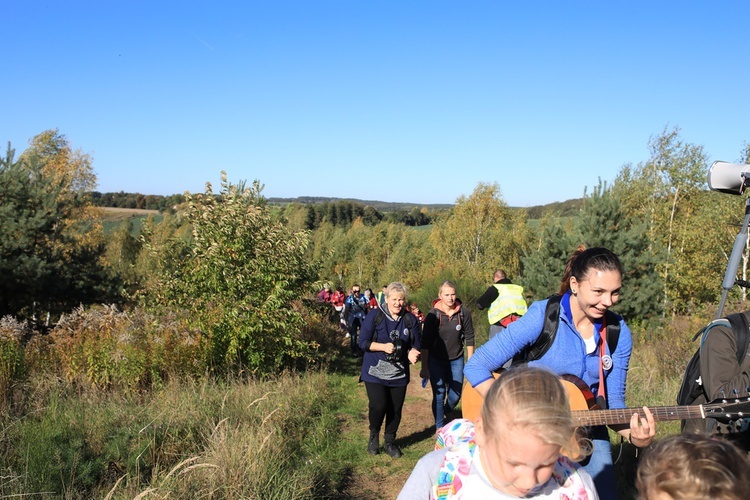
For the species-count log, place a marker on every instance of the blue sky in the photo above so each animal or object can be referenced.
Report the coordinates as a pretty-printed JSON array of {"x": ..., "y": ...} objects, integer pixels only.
[{"x": 414, "y": 101}]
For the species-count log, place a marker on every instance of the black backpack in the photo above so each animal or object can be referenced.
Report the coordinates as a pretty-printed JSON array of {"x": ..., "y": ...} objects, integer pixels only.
[
  {"x": 549, "y": 330},
  {"x": 692, "y": 384}
]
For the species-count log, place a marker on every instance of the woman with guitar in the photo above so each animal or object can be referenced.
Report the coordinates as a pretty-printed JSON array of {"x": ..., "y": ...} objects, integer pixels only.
[{"x": 578, "y": 346}]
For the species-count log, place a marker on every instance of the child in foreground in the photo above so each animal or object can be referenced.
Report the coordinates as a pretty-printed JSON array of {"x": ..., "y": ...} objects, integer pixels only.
[
  {"x": 516, "y": 449},
  {"x": 694, "y": 467}
]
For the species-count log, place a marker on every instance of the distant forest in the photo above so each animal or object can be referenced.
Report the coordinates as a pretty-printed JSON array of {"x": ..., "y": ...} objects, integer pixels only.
[{"x": 339, "y": 211}]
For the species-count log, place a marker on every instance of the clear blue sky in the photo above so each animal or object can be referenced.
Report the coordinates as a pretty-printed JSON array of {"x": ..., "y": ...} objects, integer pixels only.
[{"x": 413, "y": 101}]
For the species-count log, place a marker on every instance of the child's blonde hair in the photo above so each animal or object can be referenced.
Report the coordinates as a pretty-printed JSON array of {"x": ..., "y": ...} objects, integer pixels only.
[
  {"x": 532, "y": 399},
  {"x": 694, "y": 466}
]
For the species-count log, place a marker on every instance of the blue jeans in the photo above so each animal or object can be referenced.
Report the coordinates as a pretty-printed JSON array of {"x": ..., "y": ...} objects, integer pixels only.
[
  {"x": 447, "y": 380},
  {"x": 599, "y": 464}
]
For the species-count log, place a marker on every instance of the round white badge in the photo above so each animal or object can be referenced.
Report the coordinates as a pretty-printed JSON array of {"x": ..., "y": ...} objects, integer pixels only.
[
  {"x": 406, "y": 331},
  {"x": 606, "y": 362},
  {"x": 458, "y": 328}
]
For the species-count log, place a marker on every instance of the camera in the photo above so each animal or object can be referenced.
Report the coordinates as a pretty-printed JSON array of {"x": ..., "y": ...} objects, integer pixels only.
[
  {"x": 731, "y": 178},
  {"x": 398, "y": 345}
]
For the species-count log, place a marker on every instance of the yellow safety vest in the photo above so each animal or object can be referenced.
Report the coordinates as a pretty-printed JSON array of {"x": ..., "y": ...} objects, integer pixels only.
[{"x": 509, "y": 301}]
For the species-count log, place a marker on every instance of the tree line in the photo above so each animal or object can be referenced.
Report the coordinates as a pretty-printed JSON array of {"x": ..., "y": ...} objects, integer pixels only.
[{"x": 136, "y": 200}]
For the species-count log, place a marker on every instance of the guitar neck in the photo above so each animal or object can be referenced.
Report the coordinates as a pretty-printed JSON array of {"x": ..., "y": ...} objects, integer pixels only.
[{"x": 623, "y": 415}]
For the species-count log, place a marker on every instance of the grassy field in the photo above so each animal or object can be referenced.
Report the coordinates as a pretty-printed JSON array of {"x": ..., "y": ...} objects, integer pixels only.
[{"x": 114, "y": 217}]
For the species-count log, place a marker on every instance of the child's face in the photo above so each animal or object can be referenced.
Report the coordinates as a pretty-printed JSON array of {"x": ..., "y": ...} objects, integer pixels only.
[
  {"x": 656, "y": 494},
  {"x": 517, "y": 462}
]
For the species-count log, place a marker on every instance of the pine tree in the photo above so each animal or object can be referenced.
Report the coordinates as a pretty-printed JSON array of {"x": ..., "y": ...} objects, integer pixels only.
[{"x": 603, "y": 223}]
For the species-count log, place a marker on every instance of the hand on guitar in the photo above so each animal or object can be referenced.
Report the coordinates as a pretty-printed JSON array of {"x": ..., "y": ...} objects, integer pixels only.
[{"x": 642, "y": 430}]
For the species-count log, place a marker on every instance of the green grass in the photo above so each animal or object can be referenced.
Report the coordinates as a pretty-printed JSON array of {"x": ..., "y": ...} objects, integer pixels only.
[{"x": 235, "y": 439}]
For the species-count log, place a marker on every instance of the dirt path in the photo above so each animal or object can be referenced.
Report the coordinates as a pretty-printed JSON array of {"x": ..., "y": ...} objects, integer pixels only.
[{"x": 382, "y": 477}]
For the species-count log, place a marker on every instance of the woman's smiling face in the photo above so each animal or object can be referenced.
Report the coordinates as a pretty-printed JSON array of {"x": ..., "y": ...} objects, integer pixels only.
[
  {"x": 395, "y": 303},
  {"x": 596, "y": 293}
]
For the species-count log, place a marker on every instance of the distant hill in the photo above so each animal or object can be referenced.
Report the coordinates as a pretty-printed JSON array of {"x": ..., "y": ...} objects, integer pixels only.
[
  {"x": 559, "y": 208},
  {"x": 380, "y": 206},
  {"x": 161, "y": 203}
]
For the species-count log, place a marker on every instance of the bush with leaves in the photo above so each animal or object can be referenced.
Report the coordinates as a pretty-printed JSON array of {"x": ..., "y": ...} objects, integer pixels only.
[
  {"x": 104, "y": 348},
  {"x": 243, "y": 271}
]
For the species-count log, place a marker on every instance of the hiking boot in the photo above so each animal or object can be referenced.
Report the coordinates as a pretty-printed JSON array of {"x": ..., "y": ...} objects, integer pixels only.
[
  {"x": 374, "y": 444},
  {"x": 392, "y": 450}
]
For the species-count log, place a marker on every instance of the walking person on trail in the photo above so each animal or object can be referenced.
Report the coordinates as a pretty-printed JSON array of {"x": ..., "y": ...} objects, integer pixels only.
[
  {"x": 504, "y": 302},
  {"x": 356, "y": 309},
  {"x": 390, "y": 342},
  {"x": 448, "y": 331},
  {"x": 583, "y": 344}
]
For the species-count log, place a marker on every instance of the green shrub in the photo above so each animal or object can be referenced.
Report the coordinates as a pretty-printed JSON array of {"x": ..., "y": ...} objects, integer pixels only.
[{"x": 243, "y": 271}]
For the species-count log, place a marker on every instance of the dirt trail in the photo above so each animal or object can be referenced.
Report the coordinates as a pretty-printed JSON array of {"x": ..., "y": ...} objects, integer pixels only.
[{"x": 382, "y": 477}]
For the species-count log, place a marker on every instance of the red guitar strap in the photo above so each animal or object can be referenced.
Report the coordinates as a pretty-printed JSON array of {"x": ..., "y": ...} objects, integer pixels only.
[{"x": 602, "y": 392}]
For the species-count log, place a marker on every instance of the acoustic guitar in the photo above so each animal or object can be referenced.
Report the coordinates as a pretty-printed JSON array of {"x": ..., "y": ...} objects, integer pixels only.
[{"x": 586, "y": 412}]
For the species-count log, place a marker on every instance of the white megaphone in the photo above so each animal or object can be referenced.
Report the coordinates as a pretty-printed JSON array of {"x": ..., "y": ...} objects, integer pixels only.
[{"x": 730, "y": 178}]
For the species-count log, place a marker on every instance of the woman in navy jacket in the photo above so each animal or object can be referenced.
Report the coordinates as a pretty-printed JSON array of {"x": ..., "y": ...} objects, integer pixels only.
[
  {"x": 591, "y": 285},
  {"x": 390, "y": 339}
]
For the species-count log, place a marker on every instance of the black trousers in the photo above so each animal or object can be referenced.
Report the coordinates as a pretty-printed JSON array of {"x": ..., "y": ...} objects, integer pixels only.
[
  {"x": 385, "y": 403},
  {"x": 353, "y": 329}
]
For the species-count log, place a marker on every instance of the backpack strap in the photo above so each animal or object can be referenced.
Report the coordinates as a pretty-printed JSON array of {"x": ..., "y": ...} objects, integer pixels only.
[
  {"x": 613, "y": 330},
  {"x": 378, "y": 319},
  {"x": 547, "y": 336}
]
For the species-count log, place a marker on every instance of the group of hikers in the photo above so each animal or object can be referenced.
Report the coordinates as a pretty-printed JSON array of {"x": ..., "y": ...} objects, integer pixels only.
[{"x": 524, "y": 440}]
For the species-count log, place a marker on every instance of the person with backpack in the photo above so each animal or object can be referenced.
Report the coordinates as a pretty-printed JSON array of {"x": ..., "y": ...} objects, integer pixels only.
[
  {"x": 581, "y": 343},
  {"x": 448, "y": 331},
  {"x": 519, "y": 447},
  {"x": 720, "y": 369},
  {"x": 390, "y": 342},
  {"x": 504, "y": 302},
  {"x": 355, "y": 310},
  {"x": 337, "y": 300}
]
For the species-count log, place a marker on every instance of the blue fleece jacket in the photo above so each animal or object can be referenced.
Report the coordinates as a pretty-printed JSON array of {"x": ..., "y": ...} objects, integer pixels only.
[{"x": 567, "y": 355}]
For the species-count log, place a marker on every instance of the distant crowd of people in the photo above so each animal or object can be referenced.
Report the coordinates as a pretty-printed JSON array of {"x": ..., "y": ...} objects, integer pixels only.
[{"x": 524, "y": 440}]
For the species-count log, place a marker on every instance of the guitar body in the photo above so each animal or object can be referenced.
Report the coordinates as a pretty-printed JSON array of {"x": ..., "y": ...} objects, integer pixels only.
[{"x": 471, "y": 402}]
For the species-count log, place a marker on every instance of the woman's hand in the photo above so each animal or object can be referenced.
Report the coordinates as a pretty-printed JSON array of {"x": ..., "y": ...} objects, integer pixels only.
[
  {"x": 413, "y": 356},
  {"x": 387, "y": 348},
  {"x": 642, "y": 430}
]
